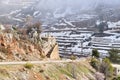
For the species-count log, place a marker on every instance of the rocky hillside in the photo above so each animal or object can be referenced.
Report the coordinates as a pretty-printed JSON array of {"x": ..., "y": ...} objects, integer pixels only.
[
  {"x": 54, "y": 71},
  {"x": 19, "y": 47}
]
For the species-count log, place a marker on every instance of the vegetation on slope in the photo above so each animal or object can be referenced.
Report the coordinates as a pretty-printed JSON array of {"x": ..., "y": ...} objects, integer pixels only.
[{"x": 54, "y": 71}]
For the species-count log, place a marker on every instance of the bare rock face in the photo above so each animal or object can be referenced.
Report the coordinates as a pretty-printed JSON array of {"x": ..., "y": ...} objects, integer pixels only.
[
  {"x": 12, "y": 48},
  {"x": 55, "y": 53}
]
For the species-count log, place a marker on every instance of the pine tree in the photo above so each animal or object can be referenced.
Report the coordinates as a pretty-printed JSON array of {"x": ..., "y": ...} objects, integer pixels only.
[{"x": 95, "y": 53}]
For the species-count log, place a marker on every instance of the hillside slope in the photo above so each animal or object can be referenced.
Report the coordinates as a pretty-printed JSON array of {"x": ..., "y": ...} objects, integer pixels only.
[
  {"x": 17, "y": 47},
  {"x": 54, "y": 71}
]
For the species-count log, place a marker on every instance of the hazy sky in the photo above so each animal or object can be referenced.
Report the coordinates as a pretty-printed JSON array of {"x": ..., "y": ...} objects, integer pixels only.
[
  {"x": 70, "y": 2},
  {"x": 57, "y": 3},
  {"x": 75, "y": 3}
]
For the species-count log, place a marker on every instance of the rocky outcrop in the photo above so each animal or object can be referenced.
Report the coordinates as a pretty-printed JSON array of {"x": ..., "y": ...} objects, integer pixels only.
[
  {"x": 13, "y": 47},
  {"x": 55, "y": 53}
]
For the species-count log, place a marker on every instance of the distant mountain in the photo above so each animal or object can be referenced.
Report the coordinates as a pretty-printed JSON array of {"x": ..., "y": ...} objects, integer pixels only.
[
  {"x": 51, "y": 16},
  {"x": 64, "y": 14}
]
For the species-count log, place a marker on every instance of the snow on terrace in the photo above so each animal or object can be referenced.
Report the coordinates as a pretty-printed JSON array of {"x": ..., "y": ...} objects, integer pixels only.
[
  {"x": 78, "y": 50},
  {"x": 16, "y": 11},
  {"x": 61, "y": 24},
  {"x": 69, "y": 23},
  {"x": 114, "y": 24},
  {"x": 35, "y": 13},
  {"x": 65, "y": 23},
  {"x": 72, "y": 40},
  {"x": 103, "y": 44},
  {"x": 60, "y": 34},
  {"x": 106, "y": 43}
]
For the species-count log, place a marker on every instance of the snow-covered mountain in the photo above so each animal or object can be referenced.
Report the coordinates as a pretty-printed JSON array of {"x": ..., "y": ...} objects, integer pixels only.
[
  {"x": 51, "y": 14},
  {"x": 59, "y": 13}
]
